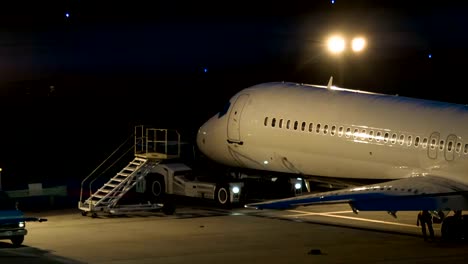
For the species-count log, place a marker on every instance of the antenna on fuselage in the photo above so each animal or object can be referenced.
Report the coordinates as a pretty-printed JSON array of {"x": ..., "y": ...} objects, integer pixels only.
[{"x": 330, "y": 82}]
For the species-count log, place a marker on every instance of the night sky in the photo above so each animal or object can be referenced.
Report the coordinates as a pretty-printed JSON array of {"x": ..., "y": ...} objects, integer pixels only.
[{"x": 76, "y": 76}]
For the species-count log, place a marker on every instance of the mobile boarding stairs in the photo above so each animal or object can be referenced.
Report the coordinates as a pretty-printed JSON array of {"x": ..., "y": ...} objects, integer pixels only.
[{"x": 150, "y": 147}]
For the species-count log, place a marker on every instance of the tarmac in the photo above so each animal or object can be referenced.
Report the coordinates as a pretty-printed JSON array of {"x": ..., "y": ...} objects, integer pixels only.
[{"x": 206, "y": 234}]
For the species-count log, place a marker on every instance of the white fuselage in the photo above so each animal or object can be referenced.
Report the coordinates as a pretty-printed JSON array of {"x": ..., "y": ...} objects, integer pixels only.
[{"x": 313, "y": 130}]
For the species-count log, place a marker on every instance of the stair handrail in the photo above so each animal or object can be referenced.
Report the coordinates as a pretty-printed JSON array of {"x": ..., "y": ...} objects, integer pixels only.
[
  {"x": 127, "y": 183},
  {"x": 110, "y": 166},
  {"x": 100, "y": 165}
]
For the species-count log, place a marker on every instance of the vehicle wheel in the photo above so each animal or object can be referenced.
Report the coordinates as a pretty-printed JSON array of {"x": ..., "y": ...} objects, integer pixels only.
[
  {"x": 168, "y": 207},
  {"x": 155, "y": 188},
  {"x": 222, "y": 196},
  {"x": 17, "y": 240}
]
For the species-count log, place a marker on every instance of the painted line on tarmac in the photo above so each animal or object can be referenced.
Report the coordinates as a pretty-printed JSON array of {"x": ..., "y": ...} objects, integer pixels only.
[{"x": 335, "y": 215}]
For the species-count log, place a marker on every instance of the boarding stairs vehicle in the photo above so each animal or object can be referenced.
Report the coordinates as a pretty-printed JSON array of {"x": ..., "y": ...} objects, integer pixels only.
[{"x": 150, "y": 148}]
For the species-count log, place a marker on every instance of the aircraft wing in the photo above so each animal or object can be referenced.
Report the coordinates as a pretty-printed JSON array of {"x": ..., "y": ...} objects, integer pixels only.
[{"x": 407, "y": 194}]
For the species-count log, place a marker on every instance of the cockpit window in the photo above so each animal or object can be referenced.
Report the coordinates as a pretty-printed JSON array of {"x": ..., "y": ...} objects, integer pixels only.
[{"x": 225, "y": 110}]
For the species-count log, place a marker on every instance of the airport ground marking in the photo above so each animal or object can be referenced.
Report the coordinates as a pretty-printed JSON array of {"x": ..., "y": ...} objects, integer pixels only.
[
  {"x": 333, "y": 214},
  {"x": 303, "y": 213}
]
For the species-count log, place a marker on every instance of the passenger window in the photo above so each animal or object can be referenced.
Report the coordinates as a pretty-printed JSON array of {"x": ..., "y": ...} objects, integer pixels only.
[
  {"x": 348, "y": 132},
  {"x": 356, "y": 132},
  {"x": 266, "y": 121},
  {"x": 441, "y": 145},
  {"x": 317, "y": 128},
  {"x": 410, "y": 140},
  {"x": 303, "y": 126},
  {"x": 401, "y": 140},
  {"x": 378, "y": 136},
  {"x": 371, "y": 135},
  {"x": 273, "y": 122},
  {"x": 465, "y": 150},
  {"x": 281, "y": 123},
  {"x": 333, "y": 130},
  {"x": 363, "y": 134},
  {"x": 325, "y": 129},
  {"x": 433, "y": 143},
  {"x": 458, "y": 147},
  {"x": 288, "y": 124},
  {"x": 386, "y": 136},
  {"x": 311, "y": 125},
  {"x": 393, "y": 140},
  {"x": 449, "y": 146},
  {"x": 416, "y": 141},
  {"x": 340, "y": 131},
  {"x": 295, "y": 125},
  {"x": 424, "y": 144}
]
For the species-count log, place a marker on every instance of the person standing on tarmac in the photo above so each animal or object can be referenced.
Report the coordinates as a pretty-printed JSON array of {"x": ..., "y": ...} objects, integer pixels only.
[{"x": 425, "y": 218}]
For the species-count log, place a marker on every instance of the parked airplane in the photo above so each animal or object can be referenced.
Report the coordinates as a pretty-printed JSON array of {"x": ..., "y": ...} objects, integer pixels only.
[{"x": 415, "y": 150}]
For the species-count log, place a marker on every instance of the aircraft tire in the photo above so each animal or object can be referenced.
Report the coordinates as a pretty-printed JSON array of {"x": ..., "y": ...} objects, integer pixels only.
[
  {"x": 222, "y": 195},
  {"x": 155, "y": 188}
]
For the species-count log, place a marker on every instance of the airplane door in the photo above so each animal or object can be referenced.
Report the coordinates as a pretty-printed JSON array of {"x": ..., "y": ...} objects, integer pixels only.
[
  {"x": 433, "y": 144},
  {"x": 233, "y": 126}
]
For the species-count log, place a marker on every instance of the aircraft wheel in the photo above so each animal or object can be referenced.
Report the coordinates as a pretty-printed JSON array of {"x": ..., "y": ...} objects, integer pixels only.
[
  {"x": 17, "y": 240},
  {"x": 155, "y": 188},
  {"x": 222, "y": 195},
  {"x": 84, "y": 213}
]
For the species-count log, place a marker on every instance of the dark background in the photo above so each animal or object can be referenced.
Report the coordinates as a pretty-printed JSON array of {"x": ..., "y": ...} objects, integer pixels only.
[{"x": 173, "y": 64}]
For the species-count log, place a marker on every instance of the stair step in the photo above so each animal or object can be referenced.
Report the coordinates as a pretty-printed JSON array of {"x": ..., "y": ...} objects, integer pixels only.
[
  {"x": 117, "y": 186},
  {"x": 140, "y": 159}
]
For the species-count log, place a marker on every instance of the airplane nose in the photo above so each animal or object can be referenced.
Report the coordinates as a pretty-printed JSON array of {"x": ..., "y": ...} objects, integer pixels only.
[{"x": 211, "y": 139}]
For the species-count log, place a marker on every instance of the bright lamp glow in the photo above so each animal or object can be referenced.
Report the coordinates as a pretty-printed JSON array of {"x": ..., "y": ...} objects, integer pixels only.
[
  {"x": 336, "y": 44},
  {"x": 358, "y": 44},
  {"x": 235, "y": 189},
  {"x": 298, "y": 186}
]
